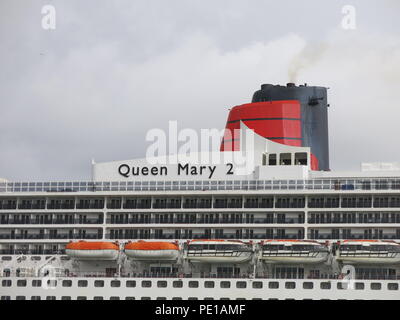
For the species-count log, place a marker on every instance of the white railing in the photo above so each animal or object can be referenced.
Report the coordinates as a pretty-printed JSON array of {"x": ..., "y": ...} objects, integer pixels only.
[{"x": 313, "y": 184}]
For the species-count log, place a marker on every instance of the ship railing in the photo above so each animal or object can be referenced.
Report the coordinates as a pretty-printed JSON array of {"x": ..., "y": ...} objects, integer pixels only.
[
  {"x": 275, "y": 253},
  {"x": 312, "y": 184},
  {"x": 52, "y": 222},
  {"x": 204, "y": 221},
  {"x": 47, "y": 236},
  {"x": 217, "y": 253},
  {"x": 370, "y": 254},
  {"x": 6, "y": 273}
]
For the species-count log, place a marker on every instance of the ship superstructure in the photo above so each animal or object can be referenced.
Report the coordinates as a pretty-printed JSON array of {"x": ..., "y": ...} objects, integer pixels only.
[{"x": 288, "y": 228}]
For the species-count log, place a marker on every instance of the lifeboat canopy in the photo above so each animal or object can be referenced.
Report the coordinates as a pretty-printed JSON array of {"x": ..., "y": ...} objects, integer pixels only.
[
  {"x": 152, "y": 250},
  {"x": 85, "y": 250}
]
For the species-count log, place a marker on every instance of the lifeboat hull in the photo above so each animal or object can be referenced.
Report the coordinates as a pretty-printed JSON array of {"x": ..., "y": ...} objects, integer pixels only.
[
  {"x": 370, "y": 260},
  {"x": 212, "y": 258},
  {"x": 107, "y": 254},
  {"x": 319, "y": 258},
  {"x": 84, "y": 250},
  {"x": 152, "y": 255}
]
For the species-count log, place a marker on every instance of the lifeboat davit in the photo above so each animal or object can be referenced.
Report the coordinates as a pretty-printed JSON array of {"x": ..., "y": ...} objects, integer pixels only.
[
  {"x": 84, "y": 250},
  {"x": 218, "y": 251},
  {"x": 293, "y": 252},
  {"x": 369, "y": 252},
  {"x": 152, "y": 251}
]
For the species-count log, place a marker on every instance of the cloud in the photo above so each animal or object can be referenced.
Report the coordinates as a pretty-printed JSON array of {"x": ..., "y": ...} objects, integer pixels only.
[
  {"x": 363, "y": 73},
  {"x": 90, "y": 104}
]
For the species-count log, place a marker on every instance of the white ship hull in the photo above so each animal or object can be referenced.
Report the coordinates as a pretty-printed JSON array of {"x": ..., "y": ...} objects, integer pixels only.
[
  {"x": 369, "y": 260},
  {"x": 152, "y": 255},
  {"x": 320, "y": 258},
  {"x": 220, "y": 259},
  {"x": 248, "y": 289}
]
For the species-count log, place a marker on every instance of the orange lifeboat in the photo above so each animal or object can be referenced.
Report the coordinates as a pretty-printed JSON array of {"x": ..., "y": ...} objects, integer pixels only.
[
  {"x": 151, "y": 251},
  {"x": 84, "y": 250}
]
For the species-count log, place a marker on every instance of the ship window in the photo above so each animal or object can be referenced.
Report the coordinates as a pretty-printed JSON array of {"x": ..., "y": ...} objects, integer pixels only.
[
  {"x": 35, "y": 298},
  {"x": 208, "y": 298},
  {"x": 67, "y": 283},
  {"x": 65, "y": 298},
  {"x": 272, "y": 160},
  {"x": 325, "y": 285},
  {"x": 273, "y": 285},
  {"x": 177, "y": 284},
  {"x": 115, "y": 283},
  {"x": 114, "y": 298},
  {"x": 290, "y": 285},
  {"x": 257, "y": 285},
  {"x": 81, "y": 298},
  {"x": 209, "y": 284},
  {"x": 193, "y": 284},
  {"x": 130, "y": 298},
  {"x": 5, "y": 298},
  {"x": 177, "y": 298},
  {"x": 161, "y": 298},
  {"x": 161, "y": 284},
  {"x": 146, "y": 284},
  {"x": 98, "y": 298},
  {"x": 99, "y": 283},
  {"x": 52, "y": 283},
  {"x": 145, "y": 298},
  {"x": 82, "y": 283},
  {"x": 6, "y": 283},
  {"x": 241, "y": 284},
  {"x": 193, "y": 298},
  {"x": 393, "y": 286},
  {"x": 36, "y": 283},
  {"x": 308, "y": 285},
  {"x": 6, "y": 258},
  {"x": 285, "y": 159},
  {"x": 300, "y": 158},
  {"x": 225, "y": 284},
  {"x": 50, "y": 298},
  {"x": 131, "y": 283},
  {"x": 20, "y": 298},
  {"x": 21, "y": 283},
  {"x": 376, "y": 286},
  {"x": 341, "y": 286},
  {"x": 360, "y": 286}
]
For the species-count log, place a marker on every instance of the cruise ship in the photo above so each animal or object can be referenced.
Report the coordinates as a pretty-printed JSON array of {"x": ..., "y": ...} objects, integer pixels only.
[{"x": 276, "y": 225}]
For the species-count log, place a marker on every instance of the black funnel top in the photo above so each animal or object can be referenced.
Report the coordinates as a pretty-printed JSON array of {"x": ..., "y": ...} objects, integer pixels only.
[{"x": 314, "y": 114}]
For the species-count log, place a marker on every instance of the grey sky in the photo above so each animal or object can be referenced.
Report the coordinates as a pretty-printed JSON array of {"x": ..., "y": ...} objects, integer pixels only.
[{"x": 111, "y": 71}]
